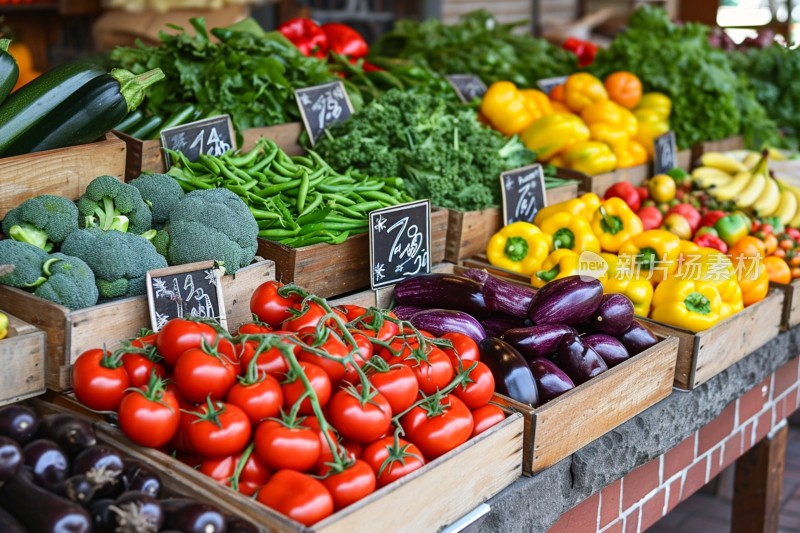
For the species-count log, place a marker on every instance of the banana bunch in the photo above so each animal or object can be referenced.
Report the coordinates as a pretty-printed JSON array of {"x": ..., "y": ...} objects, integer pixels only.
[{"x": 749, "y": 184}]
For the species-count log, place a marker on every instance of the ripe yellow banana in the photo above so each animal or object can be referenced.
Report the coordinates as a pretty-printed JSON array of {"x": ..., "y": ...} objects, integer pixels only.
[
  {"x": 722, "y": 162},
  {"x": 768, "y": 200},
  {"x": 707, "y": 177},
  {"x": 748, "y": 196},
  {"x": 751, "y": 159},
  {"x": 795, "y": 221},
  {"x": 733, "y": 187},
  {"x": 787, "y": 209}
]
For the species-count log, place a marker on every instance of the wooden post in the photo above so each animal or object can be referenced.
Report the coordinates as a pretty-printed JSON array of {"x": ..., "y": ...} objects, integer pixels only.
[{"x": 759, "y": 485}]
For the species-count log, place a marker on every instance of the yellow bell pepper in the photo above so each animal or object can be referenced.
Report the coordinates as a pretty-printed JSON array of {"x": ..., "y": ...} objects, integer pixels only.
[
  {"x": 753, "y": 279},
  {"x": 590, "y": 157},
  {"x": 560, "y": 107},
  {"x": 559, "y": 264},
  {"x": 583, "y": 89},
  {"x": 692, "y": 305},
  {"x": 612, "y": 260},
  {"x": 3, "y": 326},
  {"x": 650, "y": 126},
  {"x": 630, "y": 154},
  {"x": 656, "y": 102},
  {"x": 571, "y": 232},
  {"x": 638, "y": 290},
  {"x": 711, "y": 266},
  {"x": 616, "y": 138},
  {"x": 653, "y": 253},
  {"x": 614, "y": 223},
  {"x": 613, "y": 114},
  {"x": 538, "y": 103},
  {"x": 552, "y": 133},
  {"x": 519, "y": 247},
  {"x": 506, "y": 109},
  {"x": 583, "y": 207}
]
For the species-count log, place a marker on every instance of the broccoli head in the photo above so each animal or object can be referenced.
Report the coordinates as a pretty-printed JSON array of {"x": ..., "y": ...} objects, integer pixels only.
[
  {"x": 42, "y": 221},
  {"x": 160, "y": 192},
  {"x": 27, "y": 260},
  {"x": 212, "y": 224},
  {"x": 110, "y": 204},
  {"x": 70, "y": 282},
  {"x": 119, "y": 260}
]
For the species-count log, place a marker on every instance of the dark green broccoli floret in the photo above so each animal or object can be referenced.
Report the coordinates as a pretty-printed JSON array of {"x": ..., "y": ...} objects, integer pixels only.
[
  {"x": 160, "y": 192},
  {"x": 212, "y": 224},
  {"x": 110, "y": 204},
  {"x": 27, "y": 260},
  {"x": 119, "y": 260},
  {"x": 160, "y": 240},
  {"x": 70, "y": 282},
  {"x": 42, "y": 221}
]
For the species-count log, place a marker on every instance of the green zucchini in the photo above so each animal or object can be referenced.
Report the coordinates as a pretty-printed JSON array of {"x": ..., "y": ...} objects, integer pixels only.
[
  {"x": 146, "y": 127},
  {"x": 9, "y": 72},
  {"x": 129, "y": 121},
  {"x": 88, "y": 113},
  {"x": 181, "y": 116}
]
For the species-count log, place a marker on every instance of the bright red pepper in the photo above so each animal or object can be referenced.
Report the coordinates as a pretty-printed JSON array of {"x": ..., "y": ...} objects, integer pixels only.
[
  {"x": 583, "y": 49},
  {"x": 709, "y": 240},
  {"x": 626, "y": 192},
  {"x": 306, "y": 35},
  {"x": 345, "y": 41}
]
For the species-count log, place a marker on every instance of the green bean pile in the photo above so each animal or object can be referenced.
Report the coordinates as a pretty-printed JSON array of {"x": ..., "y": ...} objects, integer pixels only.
[{"x": 297, "y": 201}]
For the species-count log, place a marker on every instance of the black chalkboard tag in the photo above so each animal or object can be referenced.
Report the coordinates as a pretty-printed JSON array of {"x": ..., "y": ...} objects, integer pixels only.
[
  {"x": 523, "y": 193},
  {"x": 212, "y": 136},
  {"x": 183, "y": 291},
  {"x": 399, "y": 242},
  {"x": 323, "y": 105},
  {"x": 467, "y": 86},
  {"x": 548, "y": 84},
  {"x": 665, "y": 155}
]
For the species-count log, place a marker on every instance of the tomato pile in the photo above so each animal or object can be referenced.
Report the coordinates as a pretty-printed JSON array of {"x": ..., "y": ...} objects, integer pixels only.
[{"x": 308, "y": 408}]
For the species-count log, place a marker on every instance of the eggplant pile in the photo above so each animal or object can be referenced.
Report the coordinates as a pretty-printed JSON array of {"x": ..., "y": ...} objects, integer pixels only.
[
  {"x": 538, "y": 344},
  {"x": 55, "y": 477}
]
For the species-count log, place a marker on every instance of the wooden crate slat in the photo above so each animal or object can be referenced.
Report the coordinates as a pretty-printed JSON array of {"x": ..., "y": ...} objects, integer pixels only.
[{"x": 22, "y": 357}]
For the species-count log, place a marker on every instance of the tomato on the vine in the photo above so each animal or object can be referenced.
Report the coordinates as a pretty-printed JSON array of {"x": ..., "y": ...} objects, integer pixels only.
[
  {"x": 447, "y": 425},
  {"x": 294, "y": 388},
  {"x": 486, "y": 417},
  {"x": 200, "y": 375},
  {"x": 326, "y": 456},
  {"x": 179, "y": 335},
  {"x": 398, "y": 384},
  {"x": 279, "y": 446},
  {"x": 464, "y": 348},
  {"x": 385, "y": 332},
  {"x": 392, "y": 460},
  {"x": 307, "y": 316},
  {"x": 259, "y": 400},
  {"x": 356, "y": 481},
  {"x": 99, "y": 380},
  {"x": 433, "y": 370},
  {"x": 269, "y": 306},
  {"x": 150, "y": 417},
  {"x": 298, "y": 496},
  {"x": 180, "y": 441},
  {"x": 252, "y": 477},
  {"x": 141, "y": 360},
  {"x": 333, "y": 346},
  {"x": 361, "y": 421},
  {"x": 254, "y": 328},
  {"x": 477, "y": 393},
  {"x": 271, "y": 361},
  {"x": 221, "y": 429}
]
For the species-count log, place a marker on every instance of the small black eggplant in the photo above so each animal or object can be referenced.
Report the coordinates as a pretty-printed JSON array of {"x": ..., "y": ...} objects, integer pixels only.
[
  {"x": 11, "y": 459},
  {"x": 569, "y": 301},
  {"x": 512, "y": 375},
  {"x": 138, "y": 476},
  {"x": 537, "y": 341},
  {"x": 442, "y": 291},
  {"x": 102, "y": 466},
  {"x": 637, "y": 339},
  {"x": 136, "y": 511},
  {"x": 78, "y": 489},
  {"x": 580, "y": 362},
  {"x": 505, "y": 297},
  {"x": 614, "y": 316},
  {"x": 73, "y": 434},
  {"x": 191, "y": 516},
  {"x": 610, "y": 349},
  {"x": 104, "y": 519},
  {"x": 551, "y": 381},
  {"x": 48, "y": 463},
  {"x": 441, "y": 321},
  {"x": 18, "y": 422}
]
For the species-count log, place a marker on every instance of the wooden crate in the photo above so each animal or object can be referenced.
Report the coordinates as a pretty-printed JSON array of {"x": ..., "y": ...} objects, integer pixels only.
[
  {"x": 330, "y": 270},
  {"x": 563, "y": 426},
  {"x": 22, "y": 358},
  {"x": 62, "y": 172},
  {"x": 723, "y": 145},
  {"x": 148, "y": 156},
  {"x": 791, "y": 303},
  {"x": 472, "y": 473},
  {"x": 703, "y": 355},
  {"x": 70, "y": 333}
]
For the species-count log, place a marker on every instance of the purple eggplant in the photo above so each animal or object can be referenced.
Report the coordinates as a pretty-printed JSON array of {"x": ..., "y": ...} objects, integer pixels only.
[
  {"x": 496, "y": 325},
  {"x": 580, "y": 362},
  {"x": 191, "y": 516},
  {"x": 104, "y": 520},
  {"x": 442, "y": 291},
  {"x": 47, "y": 461},
  {"x": 134, "y": 507},
  {"x": 441, "y": 321},
  {"x": 614, "y": 316},
  {"x": 78, "y": 489},
  {"x": 18, "y": 422},
  {"x": 9, "y": 524},
  {"x": 637, "y": 339},
  {"x": 138, "y": 476},
  {"x": 103, "y": 466},
  {"x": 537, "y": 341},
  {"x": 551, "y": 381},
  {"x": 505, "y": 297},
  {"x": 11, "y": 458},
  {"x": 610, "y": 349},
  {"x": 73, "y": 434},
  {"x": 569, "y": 301},
  {"x": 405, "y": 312},
  {"x": 476, "y": 274},
  {"x": 512, "y": 375}
]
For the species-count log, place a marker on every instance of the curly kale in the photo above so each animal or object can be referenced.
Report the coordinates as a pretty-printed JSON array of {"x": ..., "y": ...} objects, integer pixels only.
[
  {"x": 70, "y": 282},
  {"x": 160, "y": 192},
  {"x": 110, "y": 204},
  {"x": 43, "y": 221}
]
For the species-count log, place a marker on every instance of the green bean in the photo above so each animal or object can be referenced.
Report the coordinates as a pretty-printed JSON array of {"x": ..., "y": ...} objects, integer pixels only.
[
  {"x": 317, "y": 200},
  {"x": 331, "y": 226},
  {"x": 263, "y": 162},
  {"x": 366, "y": 206},
  {"x": 303, "y": 161},
  {"x": 312, "y": 217},
  {"x": 263, "y": 214},
  {"x": 277, "y": 233},
  {"x": 302, "y": 192},
  {"x": 339, "y": 199},
  {"x": 306, "y": 240},
  {"x": 350, "y": 212},
  {"x": 210, "y": 163},
  {"x": 380, "y": 196},
  {"x": 272, "y": 190},
  {"x": 280, "y": 169}
]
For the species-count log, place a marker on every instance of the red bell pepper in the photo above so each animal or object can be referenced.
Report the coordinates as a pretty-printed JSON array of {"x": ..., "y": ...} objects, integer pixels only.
[
  {"x": 306, "y": 35},
  {"x": 583, "y": 49},
  {"x": 626, "y": 192},
  {"x": 709, "y": 240},
  {"x": 710, "y": 218},
  {"x": 345, "y": 41}
]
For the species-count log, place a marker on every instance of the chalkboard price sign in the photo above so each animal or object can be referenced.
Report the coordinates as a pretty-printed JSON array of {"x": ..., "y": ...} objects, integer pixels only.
[
  {"x": 665, "y": 154},
  {"x": 212, "y": 136},
  {"x": 467, "y": 86},
  {"x": 399, "y": 242},
  {"x": 523, "y": 193},
  {"x": 323, "y": 105},
  {"x": 548, "y": 84},
  {"x": 192, "y": 290}
]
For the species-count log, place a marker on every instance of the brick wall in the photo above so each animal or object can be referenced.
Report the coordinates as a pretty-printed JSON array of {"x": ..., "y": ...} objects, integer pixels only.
[{"x": 637, "y": 501}]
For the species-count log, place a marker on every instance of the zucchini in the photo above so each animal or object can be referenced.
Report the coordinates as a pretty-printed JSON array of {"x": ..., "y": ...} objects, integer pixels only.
[
  {"x": 129, "y": 121},
  {"x": 9, "y": 72},
  {"x": 91, "y": 111},
  {"x": 179, "y": 117},
  {"x": 144, "y": 128}
]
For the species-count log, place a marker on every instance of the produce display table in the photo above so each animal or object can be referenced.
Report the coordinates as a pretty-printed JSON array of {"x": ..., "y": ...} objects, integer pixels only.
[{"x": 631, "y": 477}]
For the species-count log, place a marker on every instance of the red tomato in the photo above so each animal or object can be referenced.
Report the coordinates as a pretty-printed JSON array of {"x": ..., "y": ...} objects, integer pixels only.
[
  {"x": 259, "y": 400},
  {"x": 231, "y": 353},
  {"x": 486, "y": 417},
  {"x": 353, "y": 448},
  {"x": 141, "y": 360},
  {"x": 350, "y": 485},
  {"x": 325, "y": 450},
  {"x": 178, "y": 335},
  {"x": 293, "y": 390},
  {"x": 200, "y": 375},
  {"x": 385, "y": 332},
  {"x": 361, "y": 422},
  {"x": 438, "y": 434},
  {"x": 390, "y": 462},
  {"x": 99, "y": 380},
  {"x": 334, "y": 346},
  {"x": 298, "y": 496},
  {"x": 181, "y": 440},
  {"x": 224, "y": 429},
  {"x": 270, "y": 361},
  {"x": 253, "y": 476},
  {"x": 399, "y": 347},
  {"x": 269, "y": 306},
  {"x": 398, "y": 385},
  {"x": 308, "y": 318},
  {"x": 254, "y": 328},
  {"x": 464, "y": 348},
  {"x": 281, "y": 447},
  {"x": 480, "y": 391},
  {"x": 149, "y": 418},
  {"x": 364, "y": 354},
  {"x": 434, "y": 372}
]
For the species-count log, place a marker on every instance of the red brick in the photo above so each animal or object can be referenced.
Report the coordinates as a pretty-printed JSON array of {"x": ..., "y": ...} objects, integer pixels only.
[
  {"x": 790, "y": 403},
  {"x": 754, "y": 400},
  {"x": 715, "y": 468},
  {"x": 679, "y": 457},
  {"x": 610, "y": 503},
  {"x": 733, "y": 447},
  {"x": 639, "y": 482},
  {"x": 674, "y": 497},
  {"x": 785, "y": 377},
  {"x": 616, "y": 527},
  {"x": 747, "y": 435},
  {"x": 582, "y": 517},
  {"x": 695, "y": 478},
  {"x": 763, "y": 425},
  {"x": 632, "y": 522},
  {"x": 653, "y": 509},
  {"x": 717, "y": 430}
]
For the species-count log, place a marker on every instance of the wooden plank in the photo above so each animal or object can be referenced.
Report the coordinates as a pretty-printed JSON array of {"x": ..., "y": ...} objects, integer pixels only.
[
  {"x": 562, "y": 193},
  {"x": 22, "y": 357},
  {"x": 61, "y": 172},
  {"x": 469, "y": 232},
  {"x": 685, "y": 159},
  {"x": 286, "y": 136},
  {"x": 791, "y": 304},
  {"x": 758, "y": 485}
]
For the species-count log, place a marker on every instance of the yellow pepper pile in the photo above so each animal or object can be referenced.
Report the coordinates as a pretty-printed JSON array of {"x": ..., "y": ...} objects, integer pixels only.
[{"x": 585, "y": 124}]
